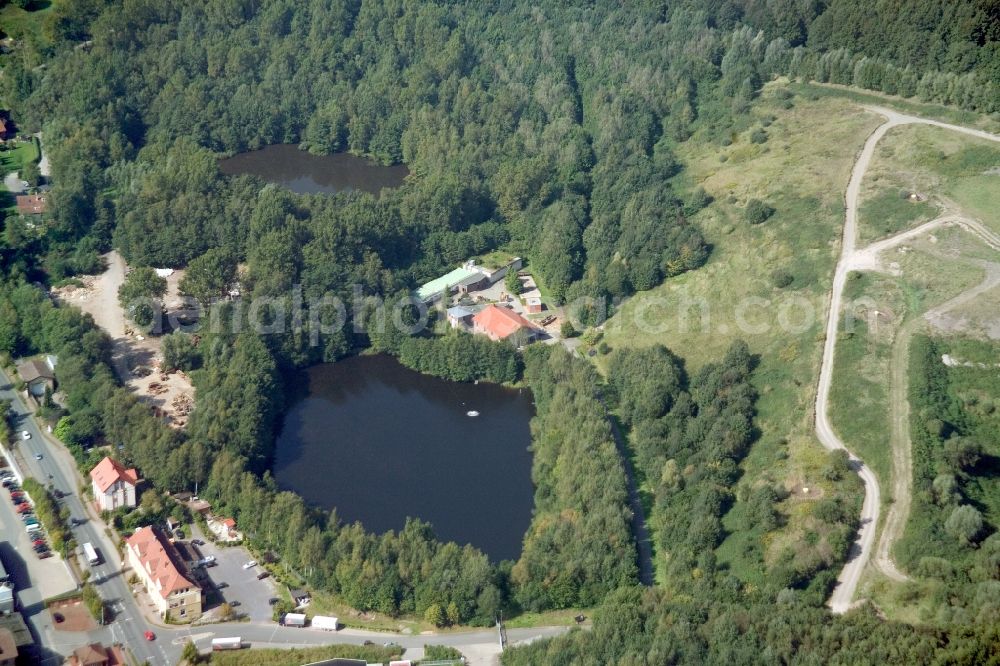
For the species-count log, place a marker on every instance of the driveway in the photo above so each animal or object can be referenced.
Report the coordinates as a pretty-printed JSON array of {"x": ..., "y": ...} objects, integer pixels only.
[{"x": 242, "y": 586}]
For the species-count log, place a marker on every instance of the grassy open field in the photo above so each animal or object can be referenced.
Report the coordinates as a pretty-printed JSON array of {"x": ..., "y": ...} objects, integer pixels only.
[
  {"x": 20, "y": 23},
  {"x": 948, "y": 168},
  {"x": 802, "y": 171}
]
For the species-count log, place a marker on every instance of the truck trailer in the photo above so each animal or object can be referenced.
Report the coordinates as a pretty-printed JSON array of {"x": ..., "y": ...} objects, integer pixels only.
[
  {"x": 231, "y": 643},
  {"x": 294, "y": 620},
  {"x": 324, "y": 622}
]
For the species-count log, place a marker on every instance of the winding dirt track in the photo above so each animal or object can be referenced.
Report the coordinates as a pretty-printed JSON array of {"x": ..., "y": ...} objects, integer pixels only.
[{"x": 867, "y": 259}]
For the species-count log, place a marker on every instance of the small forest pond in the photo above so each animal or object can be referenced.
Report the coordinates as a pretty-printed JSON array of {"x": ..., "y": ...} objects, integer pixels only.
[
  {"x": 381, "y": 442},
  {"x": 305, "y": 173}
]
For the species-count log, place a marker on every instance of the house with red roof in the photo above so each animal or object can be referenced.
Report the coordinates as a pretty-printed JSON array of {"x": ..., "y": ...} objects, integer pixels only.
[
  {"x": 30, "y": 204},
  {"x": 155, "y": 560},
  {"x": 113, "y": 485},
  {"x": 499, "y": 323}
]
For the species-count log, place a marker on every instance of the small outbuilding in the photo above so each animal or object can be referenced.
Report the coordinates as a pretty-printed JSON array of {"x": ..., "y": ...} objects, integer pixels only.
[
  {"x": 38, "y": 376},
  {"x": 460, "y": 316}
]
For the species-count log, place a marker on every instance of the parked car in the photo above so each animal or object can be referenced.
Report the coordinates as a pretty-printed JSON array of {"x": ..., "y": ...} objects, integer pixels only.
[
  {"x": 44, "y": 556},
  {"x": 38, "y": 542},
  {"x": 8, "y": 481},
  {"x": 150, "y": 636},
  {"x": 40, "y": 549},
  {"x": 222, "y": 585},
  {"x": 262, "y": 575},
  {"x": 272, "y": 601},
  {"x": 25, "y": 434},
  {"x": 23, "y": 508},
  {"x": 178, "y": 534},
  {"x": 250, "y": 565},
  {"x": 199, "y": 542}
]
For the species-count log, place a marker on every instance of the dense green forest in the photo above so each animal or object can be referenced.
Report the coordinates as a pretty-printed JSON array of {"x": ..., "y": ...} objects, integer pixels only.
[
  {"x": 951, "y": 541},
  {"x": 543, "y": 128},
  {"x": 650, "y": 627}
]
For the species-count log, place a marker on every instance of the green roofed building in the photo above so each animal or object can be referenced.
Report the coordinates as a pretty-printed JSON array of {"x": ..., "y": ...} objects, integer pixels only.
[{"x": 461, "y": 278}]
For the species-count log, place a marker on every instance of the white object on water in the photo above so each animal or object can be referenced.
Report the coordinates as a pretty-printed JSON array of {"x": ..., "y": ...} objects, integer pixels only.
[{"x": 472, "y": 412}]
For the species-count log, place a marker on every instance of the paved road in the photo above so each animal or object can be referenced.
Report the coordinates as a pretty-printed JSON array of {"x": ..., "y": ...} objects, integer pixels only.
[
  {"x": 129, "y": 624},
  {"x": 852, "y": 259}
]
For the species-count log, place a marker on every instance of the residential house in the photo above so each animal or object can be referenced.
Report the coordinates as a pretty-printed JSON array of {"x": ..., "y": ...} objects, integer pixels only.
[
  {"x": 113, "y": 485},
  {"x": 38, "y": 376},
  {"x": 499, "y": 323},
  {"x": 460, "y": 316},
  {"x": 13, "y": 625},
  {"x": 159, "y": 566},
  {"x": 96, "y": 654},
  {"x": 31, "y": 204},
  {"x": 8, "y": 648}
]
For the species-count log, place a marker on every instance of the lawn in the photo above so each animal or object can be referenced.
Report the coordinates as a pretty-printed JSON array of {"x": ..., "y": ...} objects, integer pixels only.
[
  {"x": 14, "y": 160},
  {"x": 802, "y": 171},
  {"x": 953, "y": 170},
  {"x": 21, "y": 23},
  {"x": 889, "y": 210}
]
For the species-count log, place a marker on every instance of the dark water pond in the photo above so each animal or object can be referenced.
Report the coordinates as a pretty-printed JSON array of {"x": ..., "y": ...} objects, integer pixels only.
[
  {"x": 306, "y": 173},
  {"x": 381, "y": 442}
]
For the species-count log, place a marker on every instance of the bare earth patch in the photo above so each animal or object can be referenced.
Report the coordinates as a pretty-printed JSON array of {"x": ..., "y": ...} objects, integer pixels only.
[{"x": 137, "y": 358}]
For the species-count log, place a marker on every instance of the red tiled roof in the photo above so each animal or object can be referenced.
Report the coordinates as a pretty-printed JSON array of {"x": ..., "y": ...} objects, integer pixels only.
[
  {"x": 30, "y": 204},
  {"x": 108, "y": 471},
  {"x": 500, "y": 322},
  {"x": 158, "y": 557},
  {"x": 229, "y": 522}
]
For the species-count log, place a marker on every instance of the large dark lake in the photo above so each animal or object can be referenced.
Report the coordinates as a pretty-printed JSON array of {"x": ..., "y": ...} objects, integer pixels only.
[
  {"x": 306, "y": 173},
  {"x": 381, "y": 442}
]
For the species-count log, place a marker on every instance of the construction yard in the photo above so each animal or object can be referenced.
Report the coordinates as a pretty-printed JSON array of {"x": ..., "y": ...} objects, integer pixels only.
[{"x": 137, "y": 358}]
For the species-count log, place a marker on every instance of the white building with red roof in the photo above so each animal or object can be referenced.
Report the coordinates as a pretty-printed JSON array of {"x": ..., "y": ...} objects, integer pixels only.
[
  {"x": 113, "y": 485},
  {"x": 499, "y": 323},
  {"x": 156, "y": 562}
]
